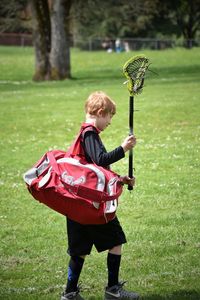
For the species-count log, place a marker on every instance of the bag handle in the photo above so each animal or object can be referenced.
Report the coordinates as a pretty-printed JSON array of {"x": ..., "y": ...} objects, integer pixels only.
[
  {"x": 82, "y": 191},
  {"x": 95, "y": 195},
  {"x": 53, "y": 162}
]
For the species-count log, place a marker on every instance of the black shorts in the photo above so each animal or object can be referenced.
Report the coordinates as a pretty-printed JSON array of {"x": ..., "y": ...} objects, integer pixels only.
[{"x": 81, "y": 238}]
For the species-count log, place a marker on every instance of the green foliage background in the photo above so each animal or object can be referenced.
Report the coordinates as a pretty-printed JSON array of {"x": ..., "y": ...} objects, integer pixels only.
[{"x": 161, "y": 217}]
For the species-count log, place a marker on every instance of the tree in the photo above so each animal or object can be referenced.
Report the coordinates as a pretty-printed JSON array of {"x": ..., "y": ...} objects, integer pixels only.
[
  {"x": 105, "y": 18},
  {"x": 13, "y": 16},
  {"x": 41, "y": 39},
  {"x": 51, "y": 39},
  {"x": 122, "y": 18},
  {"x": 136, "y": 18},
  {"x": 186, "y": 14},
  {"x": 60, "y": 42}
]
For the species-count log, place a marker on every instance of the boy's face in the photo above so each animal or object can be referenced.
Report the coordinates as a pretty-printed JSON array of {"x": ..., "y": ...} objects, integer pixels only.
[{"x": 102, "y": 121}]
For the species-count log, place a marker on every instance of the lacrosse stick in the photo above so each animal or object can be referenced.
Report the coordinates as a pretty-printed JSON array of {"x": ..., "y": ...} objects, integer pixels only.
[{"x": 134, "y": 70}]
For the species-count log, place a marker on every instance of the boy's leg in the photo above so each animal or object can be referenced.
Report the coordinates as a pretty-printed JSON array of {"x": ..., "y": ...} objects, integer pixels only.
[
  {"x": 115, "y": 290},
  {"x": 74, "y": 271},
  {"x": 113, "y": 264},
  {"x": 79, "y": 245}
]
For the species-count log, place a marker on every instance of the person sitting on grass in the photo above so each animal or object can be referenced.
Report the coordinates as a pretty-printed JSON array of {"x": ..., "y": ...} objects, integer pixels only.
[{"x": 99, "y": 110}]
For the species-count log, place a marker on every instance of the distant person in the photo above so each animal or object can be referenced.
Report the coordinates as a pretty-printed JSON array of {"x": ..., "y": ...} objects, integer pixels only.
[
  {"x": 126, "y": 46},
  {"x": 99, "y": 109},
  {"x": 107, "y": 45},
  {"x": 118, "y": 46}
]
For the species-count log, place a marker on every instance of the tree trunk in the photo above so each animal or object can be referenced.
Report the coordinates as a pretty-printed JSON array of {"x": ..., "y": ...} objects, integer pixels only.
[
  {"x": 41, "y": 39},
  {"x": 60, "y": 46},
  {"x": 51, "y": 39}
]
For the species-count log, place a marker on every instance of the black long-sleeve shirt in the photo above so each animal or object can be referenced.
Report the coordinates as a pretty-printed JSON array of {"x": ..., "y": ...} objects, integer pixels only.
[{"x": 96, "y": 152}]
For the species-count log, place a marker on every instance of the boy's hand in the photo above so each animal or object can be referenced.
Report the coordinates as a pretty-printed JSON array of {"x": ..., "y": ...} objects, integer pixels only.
[
  {"x": 127, "y": 180},
  {"x": 129, "y": 143}
]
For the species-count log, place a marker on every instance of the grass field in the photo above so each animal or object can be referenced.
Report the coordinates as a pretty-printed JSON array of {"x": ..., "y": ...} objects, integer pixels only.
[{"x": 161, "y": 217}]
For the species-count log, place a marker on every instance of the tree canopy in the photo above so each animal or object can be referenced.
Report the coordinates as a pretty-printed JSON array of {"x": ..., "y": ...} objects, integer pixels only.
[{"x": 111, "y": 18}]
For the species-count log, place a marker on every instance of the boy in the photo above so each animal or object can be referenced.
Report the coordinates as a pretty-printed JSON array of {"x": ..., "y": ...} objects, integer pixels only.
[{"x": 99, "y": 110}]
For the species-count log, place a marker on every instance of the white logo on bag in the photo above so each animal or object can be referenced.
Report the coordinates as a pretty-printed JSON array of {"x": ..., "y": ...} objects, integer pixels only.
[{"x": 71, "y": 180}]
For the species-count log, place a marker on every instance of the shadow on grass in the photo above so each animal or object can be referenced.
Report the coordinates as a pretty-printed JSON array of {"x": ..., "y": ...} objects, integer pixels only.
[
  {"x": 154, "y": 72},
  {"x": 180, "y": 74},
  {"x": 178, "y": 295}
]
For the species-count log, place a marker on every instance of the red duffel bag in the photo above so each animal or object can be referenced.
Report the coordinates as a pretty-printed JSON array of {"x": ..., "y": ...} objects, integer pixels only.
[{"x": 83, "y": 191}]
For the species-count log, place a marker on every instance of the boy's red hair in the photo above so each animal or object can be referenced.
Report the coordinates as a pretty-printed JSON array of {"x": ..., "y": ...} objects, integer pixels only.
[{"x": 99, "y": 100}]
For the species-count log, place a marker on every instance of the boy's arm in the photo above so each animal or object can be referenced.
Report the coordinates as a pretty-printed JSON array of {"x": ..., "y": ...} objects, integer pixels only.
[{"x": 96, "y": 152}]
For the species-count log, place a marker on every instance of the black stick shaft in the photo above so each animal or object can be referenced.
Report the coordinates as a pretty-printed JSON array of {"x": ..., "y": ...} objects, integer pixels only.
[{"x": 131, "y": 115}]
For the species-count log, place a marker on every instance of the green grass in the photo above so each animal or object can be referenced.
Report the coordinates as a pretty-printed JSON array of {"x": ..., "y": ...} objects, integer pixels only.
[{"x": 161, "y": 217}]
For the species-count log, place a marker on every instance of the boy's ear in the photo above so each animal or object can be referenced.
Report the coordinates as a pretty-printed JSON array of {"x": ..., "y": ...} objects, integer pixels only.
[{"x": 100, "y": 112}]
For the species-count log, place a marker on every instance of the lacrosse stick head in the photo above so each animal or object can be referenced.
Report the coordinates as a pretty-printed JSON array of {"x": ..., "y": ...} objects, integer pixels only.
[{"x": 134, "y": 70}]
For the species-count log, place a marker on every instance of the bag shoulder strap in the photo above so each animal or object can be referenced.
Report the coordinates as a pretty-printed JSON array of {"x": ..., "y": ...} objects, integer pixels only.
[
  {"x": 89, "y": 127},
  {"x": 76, "y": 147}
]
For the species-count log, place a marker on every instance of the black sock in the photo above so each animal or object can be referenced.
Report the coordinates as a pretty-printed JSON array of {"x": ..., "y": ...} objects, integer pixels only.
[
  {"x": 113, "y": 263},
  {"x": 74, "y": 270}
]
